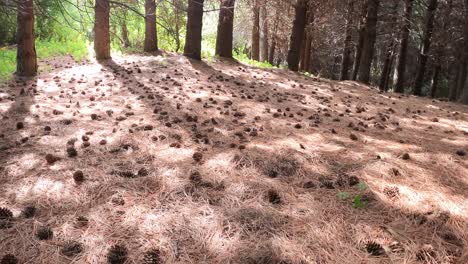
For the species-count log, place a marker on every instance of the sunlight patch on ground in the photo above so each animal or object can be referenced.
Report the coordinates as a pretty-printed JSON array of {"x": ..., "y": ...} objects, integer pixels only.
[{"x": 43, "y": 188}]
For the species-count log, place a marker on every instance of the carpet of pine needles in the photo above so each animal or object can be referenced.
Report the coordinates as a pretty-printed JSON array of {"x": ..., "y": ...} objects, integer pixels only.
[{"x": 220, "y": 162}]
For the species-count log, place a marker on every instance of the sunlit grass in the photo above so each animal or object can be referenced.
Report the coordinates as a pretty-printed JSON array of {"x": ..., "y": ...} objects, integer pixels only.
[
  {"x": 246, "y": 60},
  {"x": 45, "y": 49}
]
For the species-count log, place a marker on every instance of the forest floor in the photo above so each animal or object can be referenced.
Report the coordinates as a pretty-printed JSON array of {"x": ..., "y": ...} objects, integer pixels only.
[{"x": 174, "y": 161}]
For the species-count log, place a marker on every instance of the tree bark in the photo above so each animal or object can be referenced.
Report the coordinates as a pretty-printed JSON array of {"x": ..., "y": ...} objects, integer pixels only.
[
  {"x": 426, "y": 45},
  {"x": 297, "y": 35},
  {"x": 455, "y": 73},
  {"x": 263, "y": 34},
  {"x": 26, "y": 58},
  {"x": 271, "y": 52},
  {"x": 256, "y": 33},
  {"x": 383, "y": 85},
  {"x": 124, "y": 30},
  {"x": 463, "y": 79},
  {"x": 101, "y": 30},
  {"x": 193, "y": 37},
  {"x": 346, "y": 60},
  {"x": 360, "y": 42},
  {"x": 435, "y": 79},
  {"x": 389, "y": 52},
  {"x": 369, "y": 41},
  {"x": 307, "y": 48},
  {"x": 403, "y": 51},
  {"x": 151, "y": 35},
  {"x": 225, "y": 29}
]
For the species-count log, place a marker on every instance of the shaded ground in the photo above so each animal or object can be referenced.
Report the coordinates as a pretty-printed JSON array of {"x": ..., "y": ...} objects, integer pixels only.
[{"x": 224, "y": 163}]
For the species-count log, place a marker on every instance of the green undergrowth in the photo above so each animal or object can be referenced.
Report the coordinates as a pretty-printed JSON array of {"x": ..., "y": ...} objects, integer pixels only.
[{"x": 44, "y": 49}]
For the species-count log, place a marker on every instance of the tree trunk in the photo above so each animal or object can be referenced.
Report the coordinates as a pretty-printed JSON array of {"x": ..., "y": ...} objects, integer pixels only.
[
  {"x": 297, "y": 35},
  {"x": 193, "y": 37},
  {"x": 101, "y": 30},
  {"x": 463, "y": 84},
  {"x": 369, "y": 41},
  {"x": 256, "y": 33},
  {"x": 225, "y": 28},
  {"x": 263, "y": 34},
  {"x": 403, "y": 52},
  {"x": 455, "y": 75},
  {"x": 124, "y": 30},
  {"x": 435, "y": 79},
  {"x": 271, "y": 52},
  {"x": 360, "y": 43},
  {"x": 306, "y": 56},
  {"x": 383, "y": 85},
  {"x": 177, "y": 27},
  {"x": 346, "y": 60},
  {"x": 26, "y": 58},
  {"x": 389, "y": 53},
  {"x": 151, "y": 36},
  {"x": 428, "y": 30}
]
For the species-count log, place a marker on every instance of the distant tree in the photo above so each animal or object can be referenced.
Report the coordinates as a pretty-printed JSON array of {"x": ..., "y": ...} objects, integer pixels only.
[
  {"x": 389, "y": 51},
  {"x": 101, "y": 30},
  {"x": 255, "y": 52},
  {"x": 151, "y": 39},
  {"x": 193, "y": 38},
  {"x": 360, "y": 42},
  {"x": 426, "y": 44},
  {"x": 26, "y": 58},
  {"x": 263, "y": 34},
  {"x": 368, "y": 48},
  {"x": 348, "y": 39},
  {"x": 297, "y": 35},
  {"x": 224, "y": 36},
  {"x": 403, "y": 50}
]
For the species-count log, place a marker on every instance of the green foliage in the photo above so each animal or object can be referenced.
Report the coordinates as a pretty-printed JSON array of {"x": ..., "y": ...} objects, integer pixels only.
[
  {"x": 8, "y": 62},
  {"x": 209, "y": 46},
  {"x": 77, "y": 49},
  {"x": 356, "y": 200}
]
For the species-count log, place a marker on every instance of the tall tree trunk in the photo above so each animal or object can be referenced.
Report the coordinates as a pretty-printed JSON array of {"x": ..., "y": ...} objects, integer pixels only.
[
  {"x": 389, "y": 52},
  {"x": 263, "y": 34},
  {"x": 383, "y": 85},
  {"x": 307, "y": 48},
  {"x": 297, "y": 35},
  {"x": 435, "y": 79},
  {"x": 256, "y": 32},
  {"x": 193, "y": 37},
  {"x": 225, "y": 28},
  {"x": 177, "y": 27},
  {"x": 403, "y": 52},
  {"x": 302, "y": 53},
  {"x": 346, "y": 60},
  {"x": 369, "y": 42},
  {"x": 455, "y": 75},
  {"x": 124, "y": 30},
  {"x": 360, "y": 43},
  {"x": 271, "y": 52},
  {"x": 151, "y": 36},
  {"x": 26, "y": 59},
  {"x": 463, "y": 82},
  {"x": 101, "y": 30},
  {"x": 428, "y": 30}
]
